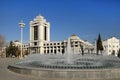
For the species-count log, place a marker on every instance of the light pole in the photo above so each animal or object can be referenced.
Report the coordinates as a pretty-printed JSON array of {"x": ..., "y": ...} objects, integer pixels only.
[
  {"x": 21, "y": 24},
  {"x": 95, "y": 46}
]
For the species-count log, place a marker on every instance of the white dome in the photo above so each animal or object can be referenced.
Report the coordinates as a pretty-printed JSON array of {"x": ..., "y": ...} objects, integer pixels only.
[{"x": 74, "y": 37}]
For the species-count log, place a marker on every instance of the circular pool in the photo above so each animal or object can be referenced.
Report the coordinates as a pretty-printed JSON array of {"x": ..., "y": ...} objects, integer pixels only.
[{"x": 86, "y": 67}]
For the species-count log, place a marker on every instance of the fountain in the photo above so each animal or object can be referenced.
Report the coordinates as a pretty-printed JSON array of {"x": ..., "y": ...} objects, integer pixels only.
[
  {"x": 69, "y": 52},
  {"x": 69, "y": 66}
]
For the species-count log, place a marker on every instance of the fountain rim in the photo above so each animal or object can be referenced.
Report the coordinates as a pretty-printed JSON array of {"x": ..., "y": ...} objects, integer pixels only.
[{"x": 57, "y": 69}]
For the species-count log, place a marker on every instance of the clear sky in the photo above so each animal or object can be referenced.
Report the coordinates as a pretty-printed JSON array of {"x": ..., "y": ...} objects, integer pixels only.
[{"x": 85, "y": 18}]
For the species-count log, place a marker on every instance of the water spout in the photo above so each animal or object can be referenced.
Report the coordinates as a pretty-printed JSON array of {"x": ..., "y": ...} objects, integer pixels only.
[{"x": 69, "y": 52}]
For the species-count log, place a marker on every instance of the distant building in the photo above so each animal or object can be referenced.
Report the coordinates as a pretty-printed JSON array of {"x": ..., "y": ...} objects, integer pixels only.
[
  {"x": 60, "y": 46},
  {"x": 111, "y": 46},
  {"x": 2, "y": 46},
  {"x": 40, "y": 40},
  {"x": 2, "y": 51}
]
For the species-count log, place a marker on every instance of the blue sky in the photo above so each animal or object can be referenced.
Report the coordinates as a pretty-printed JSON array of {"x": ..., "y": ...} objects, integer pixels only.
[{"x": 85, "y": 18}]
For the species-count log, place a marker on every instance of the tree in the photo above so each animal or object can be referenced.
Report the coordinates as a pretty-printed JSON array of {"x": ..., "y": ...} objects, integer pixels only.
[
  {"x": 99, "y": 44},
  {"x": 12, "y": 50},
  {"x": 82, "y": 49},
  {"x": 118, "y": 53}
]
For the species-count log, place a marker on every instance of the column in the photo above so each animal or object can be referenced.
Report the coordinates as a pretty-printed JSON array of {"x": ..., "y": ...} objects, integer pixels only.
[
  {"x": 40, "y": 32},
  {"x": 53, "y": 50}
]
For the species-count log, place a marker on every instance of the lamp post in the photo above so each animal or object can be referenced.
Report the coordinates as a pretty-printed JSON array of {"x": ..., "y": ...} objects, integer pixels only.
[
  {"x": 95, "y": 51},
  {"x": 21, "y": 24}
]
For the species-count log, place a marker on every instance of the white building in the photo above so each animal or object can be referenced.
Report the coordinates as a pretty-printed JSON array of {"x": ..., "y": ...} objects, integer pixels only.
[
  {"x": 39, "y": 34},
  {"x": 111, "y": 46},
  {"x": 61, "y": 46},
  {"x": 40, "y": 40}
]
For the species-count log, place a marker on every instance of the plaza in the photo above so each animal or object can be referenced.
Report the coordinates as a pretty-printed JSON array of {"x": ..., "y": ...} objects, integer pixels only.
[{"x": 5, "y": 74}]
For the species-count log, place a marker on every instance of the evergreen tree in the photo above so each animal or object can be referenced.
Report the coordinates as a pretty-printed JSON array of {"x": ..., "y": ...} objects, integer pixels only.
[
  {"x": 118, "y": 53},
  {"x": 81, "y": 46},
  {"x": 99, "y": 44},
  {"x": 12, "y": 50}
]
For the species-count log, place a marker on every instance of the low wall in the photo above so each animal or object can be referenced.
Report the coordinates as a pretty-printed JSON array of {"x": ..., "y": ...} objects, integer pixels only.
[{"x": 67, "y": 74}]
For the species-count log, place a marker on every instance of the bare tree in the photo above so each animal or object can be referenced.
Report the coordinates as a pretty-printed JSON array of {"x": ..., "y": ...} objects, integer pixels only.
[{"x": 2, "y": 45}]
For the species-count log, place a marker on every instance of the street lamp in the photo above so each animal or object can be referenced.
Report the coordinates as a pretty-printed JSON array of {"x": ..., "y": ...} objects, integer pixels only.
[{"x": 21, "y": 24}]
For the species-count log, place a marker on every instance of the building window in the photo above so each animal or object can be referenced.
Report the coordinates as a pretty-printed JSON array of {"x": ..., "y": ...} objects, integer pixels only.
[
  {"x": 62, "y": 43},
  {"x": 44, "y": 44},
  {"x": 44, "y": 51},
  {"x": 63, "y": 51},
  {"x": 54, "y": 43},
  {"x": 62, "y": 46},
  {"x": 59, "y": 50},
  {"x": 35, "y": 43},
  {"x": 76, "y": 45},
  {"x": 76, "y": 42},
  {"x": 45, "y": 33},
  {"x": 35, "y": 32},
  {"x": 55, "y": 51}
]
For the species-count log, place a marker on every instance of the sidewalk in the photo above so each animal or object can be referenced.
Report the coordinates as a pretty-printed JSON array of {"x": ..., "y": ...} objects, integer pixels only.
[{"x": 5, "y": 74}]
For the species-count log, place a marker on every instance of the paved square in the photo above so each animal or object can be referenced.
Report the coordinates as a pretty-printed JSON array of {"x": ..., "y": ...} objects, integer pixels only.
[{"x": 5, "y": 74}]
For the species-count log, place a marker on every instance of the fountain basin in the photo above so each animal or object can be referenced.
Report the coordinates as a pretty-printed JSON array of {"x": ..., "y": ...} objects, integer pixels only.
[
  {"x": 52, "y": 67},
  {"x": 68, "y": 74}
]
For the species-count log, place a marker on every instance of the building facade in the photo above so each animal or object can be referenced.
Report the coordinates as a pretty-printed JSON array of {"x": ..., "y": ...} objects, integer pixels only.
[
  {"x": 111, "y": 46},
  {"x": 60, "y": 47},
  {"x": 40, "y": 40},
  {"x": 39, "y": 34}
]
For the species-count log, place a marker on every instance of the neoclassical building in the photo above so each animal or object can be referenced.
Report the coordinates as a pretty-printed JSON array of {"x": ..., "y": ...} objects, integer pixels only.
[
  {"x": 111, "y": 46},
  {"x": 40, "y": 40}
]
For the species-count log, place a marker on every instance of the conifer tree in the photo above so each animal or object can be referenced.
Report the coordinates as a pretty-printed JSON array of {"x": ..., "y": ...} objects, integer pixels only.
[
  {"x": 99, "y": 44},
  {"x": 118, "y": 53},
  {"x": 12, "y": 50}
]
